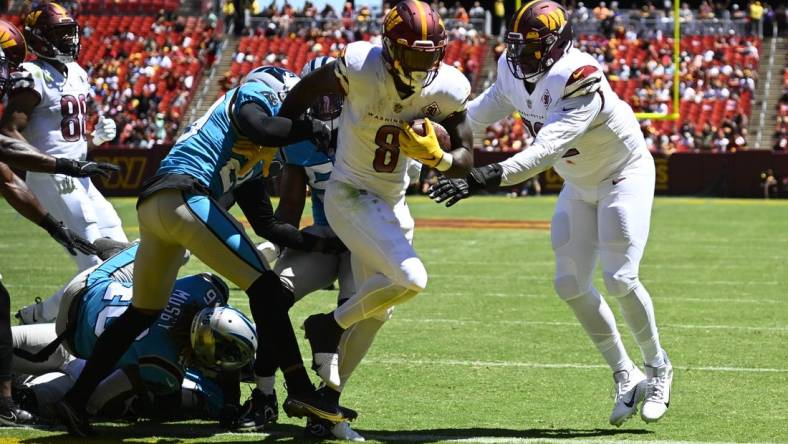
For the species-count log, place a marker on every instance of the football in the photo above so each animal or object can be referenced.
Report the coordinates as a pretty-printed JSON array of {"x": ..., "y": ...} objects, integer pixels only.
[{"x": 443, "y": 136}]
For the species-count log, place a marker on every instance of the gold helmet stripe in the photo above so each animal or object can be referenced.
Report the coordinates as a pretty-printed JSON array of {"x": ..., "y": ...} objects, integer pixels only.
[
  {"x": 423, "y": 17},
  {"x": 520, "y": 15}
]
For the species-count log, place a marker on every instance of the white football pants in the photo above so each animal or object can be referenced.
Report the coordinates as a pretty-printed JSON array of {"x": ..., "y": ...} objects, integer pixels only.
[
  {"x": 609, "y": 222},
  {"x": 81, "y": 207},
  {"x": 378, "y": 234}
]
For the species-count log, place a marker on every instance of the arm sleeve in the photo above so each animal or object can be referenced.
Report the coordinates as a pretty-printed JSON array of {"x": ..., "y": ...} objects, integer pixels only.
[
  {"x": 489, "y": 107},
  {"x": 570, "y": 119},
  {"x": 253, "y": 199},
  {"x": 255, "y": 122}
]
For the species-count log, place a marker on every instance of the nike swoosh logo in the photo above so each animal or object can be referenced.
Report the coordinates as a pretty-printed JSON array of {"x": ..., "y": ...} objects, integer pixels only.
[
  {"x": 617, "y": 181},
  {"x": 632, "y": 399},
  {"x": 577, "y": 74},
  {"x": 568, "y": 109}
]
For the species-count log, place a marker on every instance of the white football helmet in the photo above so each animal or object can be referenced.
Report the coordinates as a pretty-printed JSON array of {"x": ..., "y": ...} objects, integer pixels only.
[
  {"x": 223, "y": 338},
  {"x": 278, "y": 79}
]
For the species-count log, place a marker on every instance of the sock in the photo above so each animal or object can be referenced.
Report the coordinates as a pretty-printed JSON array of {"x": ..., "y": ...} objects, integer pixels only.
[
  {"x": 597, "y": 319},
  {"x": 110, "y": 346},
  {"x": 269, "y": 302},
  {"x": 355, "y": 344},
  {"x": 266, "y": 384},
  {"x": 638, "y": 312},
  {"x": 6, "y": 342}
]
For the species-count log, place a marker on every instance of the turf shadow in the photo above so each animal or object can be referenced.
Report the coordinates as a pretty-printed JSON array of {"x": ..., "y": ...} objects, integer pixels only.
[{"x": 435, "y": 435}]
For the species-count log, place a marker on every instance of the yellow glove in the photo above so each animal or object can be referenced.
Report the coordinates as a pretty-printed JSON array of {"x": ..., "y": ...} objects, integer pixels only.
[
  {"x": 253, "y": 154},
  {"x": 425, "y": 149}
]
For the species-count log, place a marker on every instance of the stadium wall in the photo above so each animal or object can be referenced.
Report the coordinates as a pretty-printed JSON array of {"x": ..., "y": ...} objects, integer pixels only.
[{"x": 709, "y": 174}]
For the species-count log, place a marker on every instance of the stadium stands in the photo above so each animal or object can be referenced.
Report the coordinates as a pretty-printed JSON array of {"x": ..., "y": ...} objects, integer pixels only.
[
  {"x": 781, "y": 128},
  {"x": 293, "y": 52},
  {"x": 718, "y": 75}
]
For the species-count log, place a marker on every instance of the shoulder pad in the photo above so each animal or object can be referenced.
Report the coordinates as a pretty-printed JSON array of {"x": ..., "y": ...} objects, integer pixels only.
[
  {"x": 584, "y": 80},
  {"x": 351, "y": 60}
]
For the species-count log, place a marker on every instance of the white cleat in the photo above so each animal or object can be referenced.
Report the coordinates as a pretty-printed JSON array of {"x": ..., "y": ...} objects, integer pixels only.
[
  {"x": 630, "y": 386},
  {"x": 32, "y": 314},
  {"x": 343, "y": 431},
  {"x": 658, "y": 385},
  {"x": 326, "y": 365}
]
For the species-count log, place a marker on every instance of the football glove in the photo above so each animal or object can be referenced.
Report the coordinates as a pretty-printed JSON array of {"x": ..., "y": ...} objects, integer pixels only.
[
  {"x": 321, "y": 136},
  {"x": 66, "y": 237},
  {"x": 78, "y": 168},
  {"x": 426, "y": 149},
  {"x": 253, "y": 154},
  {"x": 454, "y": 190},
  {"x": 105, "y": 131}
]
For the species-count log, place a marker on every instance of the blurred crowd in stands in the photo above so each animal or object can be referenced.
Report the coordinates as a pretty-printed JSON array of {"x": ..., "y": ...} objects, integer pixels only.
[{"x": 781, "y": 128}]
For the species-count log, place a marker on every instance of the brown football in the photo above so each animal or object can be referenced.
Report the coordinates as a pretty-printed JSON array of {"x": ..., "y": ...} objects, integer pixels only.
[{"x": 443, "y": 136}]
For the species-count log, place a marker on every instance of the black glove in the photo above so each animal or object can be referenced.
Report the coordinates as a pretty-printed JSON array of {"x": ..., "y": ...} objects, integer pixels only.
[
  {"x": 454, "y": 190},
  {"x": 321, "y": 136},
  {"x": 66, "y": 237},
  {"x": 78, "y": 168}
]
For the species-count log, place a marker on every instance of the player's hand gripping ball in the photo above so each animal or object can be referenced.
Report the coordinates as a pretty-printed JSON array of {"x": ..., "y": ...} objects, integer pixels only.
[{"x": 425, "y": 141}]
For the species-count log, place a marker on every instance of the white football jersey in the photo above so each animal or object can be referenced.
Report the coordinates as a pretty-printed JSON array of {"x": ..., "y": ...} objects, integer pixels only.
[
  {"x": 57, "y": 124},
  {"x": 580, "y": 125},
  {"x": 368, "y": 155}
]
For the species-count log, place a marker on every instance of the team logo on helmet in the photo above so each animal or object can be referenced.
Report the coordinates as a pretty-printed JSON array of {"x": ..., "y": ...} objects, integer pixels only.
[
  {"x": 539, "y": 34},
  {"x": 13, "y": 44},
  {"x": 52, "y": 33},
  {"x": 414, "y": 42}
]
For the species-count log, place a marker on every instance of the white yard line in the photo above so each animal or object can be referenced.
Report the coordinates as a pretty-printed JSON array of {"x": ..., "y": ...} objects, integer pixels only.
[
  {"x": 564, "y": 324},
  {"x": 541, "y": 365}
]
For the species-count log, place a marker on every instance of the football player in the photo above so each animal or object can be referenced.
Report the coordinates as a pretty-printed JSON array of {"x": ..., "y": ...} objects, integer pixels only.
[
  {"x": 47, "y": 108},
  {"x": 592, "y": 139},
  {"x": 20, "y": 155},
  {"x": 197, "y": 330},
  {"x": 229, "y": 149},
  {"x": 385, "y": 88},
  {"x": 305, "y": 166}
]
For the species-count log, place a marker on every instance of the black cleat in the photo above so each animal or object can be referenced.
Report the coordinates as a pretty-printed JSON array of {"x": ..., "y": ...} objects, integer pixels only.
[
  {"x": 259, "y": 411},
  {"x": 12, "y": 415},
  {"x": 76, "y": 421},
  {"x": 312, "y": 405}
]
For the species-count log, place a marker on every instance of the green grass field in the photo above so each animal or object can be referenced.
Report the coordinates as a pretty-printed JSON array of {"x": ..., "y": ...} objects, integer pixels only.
[{"x": 489, "y": 354}]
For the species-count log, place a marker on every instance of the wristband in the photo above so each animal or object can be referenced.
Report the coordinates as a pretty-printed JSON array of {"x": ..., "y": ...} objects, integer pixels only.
[
  {"x": 445, "y": 163},
  {"x": 49, "y": 223},
  {"x": 65, "y": 166}
]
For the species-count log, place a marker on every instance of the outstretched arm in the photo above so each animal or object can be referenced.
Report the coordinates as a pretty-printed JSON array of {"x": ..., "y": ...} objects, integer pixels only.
[
  {"x": 19, "y": 196},
  {"x": 459, "y": 129}
]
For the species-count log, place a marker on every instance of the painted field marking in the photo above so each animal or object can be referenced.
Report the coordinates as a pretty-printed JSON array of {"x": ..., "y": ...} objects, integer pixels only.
[{"x": 565, "y": 324}]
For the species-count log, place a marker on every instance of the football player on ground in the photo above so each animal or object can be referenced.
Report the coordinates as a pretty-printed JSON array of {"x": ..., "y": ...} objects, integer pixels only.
[
  {"x": 306, "y": 272},
  {"x": 226, "y": 150},
  {"x": 385, "y": 89},
  {"x": 47, "y": 108},
  {"x": 197, "y": 330},
  {"x": 592, "y": 139}
]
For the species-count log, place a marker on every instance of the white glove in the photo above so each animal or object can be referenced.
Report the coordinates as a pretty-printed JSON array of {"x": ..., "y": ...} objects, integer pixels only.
[{"x": 104, "y": 132}]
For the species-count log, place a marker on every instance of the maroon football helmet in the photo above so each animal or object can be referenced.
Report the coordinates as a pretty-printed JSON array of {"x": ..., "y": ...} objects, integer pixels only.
[
  {"x": 538, "y": 35},
  {"x": 12, "y": 52},
  {"x": 414, "y": 41},
  {"x": 52, "y": 33}
]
